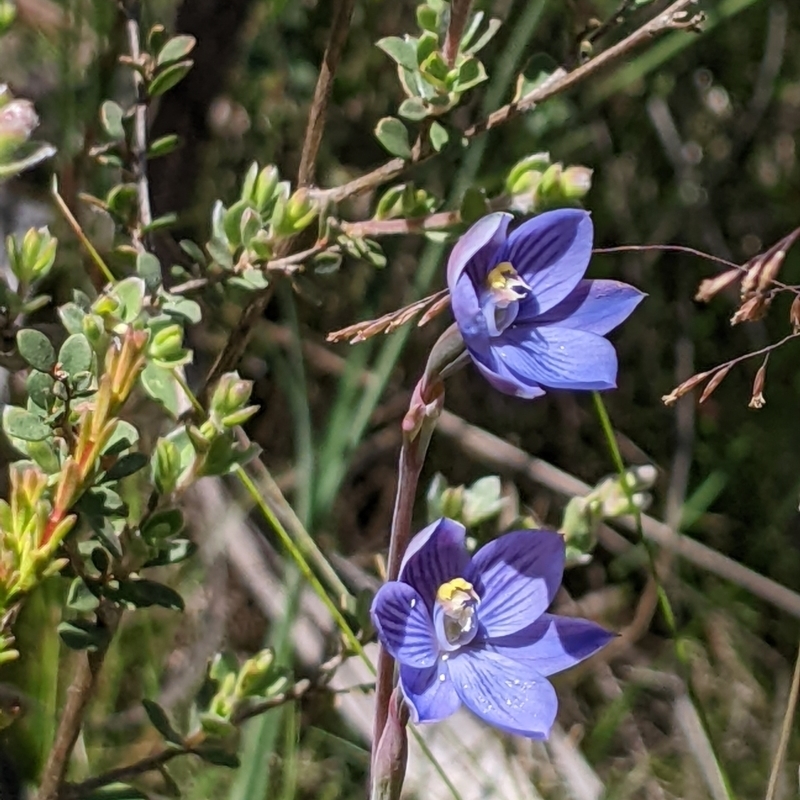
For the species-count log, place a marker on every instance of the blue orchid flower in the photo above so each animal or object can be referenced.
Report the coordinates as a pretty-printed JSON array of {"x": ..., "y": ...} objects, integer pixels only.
[
  {"x": 526, "y": 315},
  {"x": 473, "y": 630}
]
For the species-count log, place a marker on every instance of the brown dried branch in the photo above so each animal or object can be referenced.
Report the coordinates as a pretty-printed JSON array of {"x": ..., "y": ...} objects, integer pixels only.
[
  {"x": 340, "y": 24},
  {"x": 696, "y": 380},
  {"x": 132, "y": 11},
  {"x": 361, "y": 331},
  {"x": 237, "y": 341},
  {"x": 79, "y": 694},
  {"x": 459, "y": 16},
  {"x": 675, "y": 17}
]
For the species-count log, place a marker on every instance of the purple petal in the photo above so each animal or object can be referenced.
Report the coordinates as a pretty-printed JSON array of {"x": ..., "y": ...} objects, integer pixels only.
[
  {"x": 477, "y": 248},
  {"x": 551, "y": 253},
  {"x": 553, "y": 643},
  {"x": 503, "y": 379},
  {"x": 516, "y": 577},
  {"x": 404, "y": 625},
  {"x": 558, "y": 358},
  {"x": 505, "y": 693},
  {"x": 594, "y": 306},
  {"x": 430, "y": 698},
  {"x": 469, "y": 317},
  {"x": 434, "y": 556}
]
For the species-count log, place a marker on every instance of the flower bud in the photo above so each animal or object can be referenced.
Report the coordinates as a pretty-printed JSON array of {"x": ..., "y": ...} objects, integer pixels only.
[
  {"x": 576, "y": 182},
  {"x": 641, "y": 477},
  {"x": 452, "y": 501},
  {"x": 254, "y": 674},
  {"x": 18, "y": 119},
  {"x": 166, "y": 346},
  {"x": 551, "y": 181},
  {"x": 200, "y": 440},
  {"x": 33, "y": 258},
  {"x": 299, "y": 213},
  {"x": 230, "y": 395},
  {"x": 239, "y": 417},
  {"x": 165, "y": 466},
  {"x": 578, "y": 526},
  {"x": 266, "y": 183},
  {"x": 93, "y": 328},
  {"x": 520, "y": 178}
]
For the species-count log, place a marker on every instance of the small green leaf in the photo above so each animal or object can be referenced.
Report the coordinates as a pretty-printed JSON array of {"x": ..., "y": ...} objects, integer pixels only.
[
  {"x": 80, "y": 598},
  {"x": 224, "y": 455},
  {"x": 121, "y": 200},
  {"x": 45, "y": 455},
  {"x": 215, "y": 726},
  {"x": 40, "y": 389},
  {"x": 175, "y": 49},
  {"x": 427, "y": 45},
  {"x": 427, "y": 18},
  {"x": 435, "y": 70},
  {"x": 232, "y": 219},
  {"x": 72, "y": 317},
  {"x": 169, "y": 77},
  {"x": 21, "y": 424},
  {"x": 160, "y": 721},
  {"x": 148, "y": 268},
  {"x": 36, "y": 349},
  {"x": 127, "y": 465},
  {"x": 160, "y": 384},
  {"x": 172, "y": 552},
  {"x": 164, "y": 145},
  {"x": 470, "y": 74},
  {"x": 193, "y": 251},
  {"x": 34, "y": 153},
  {"x": 144, "y": 594},
  {"x": 75, "y": 355},
  {"x": 327, "y": 263},
  {"x": 107, "y": 531},
  {"x": 80, "y": 634},
  {"x": 124, "y": 437},
  {"x": 130, "y": 293},
  {"x": 182, "y": 308},
  {"x": 393, "y": 135},
  {"x": 111, "y": 115},
  {"x": 220, "y": 252},
  {"x": 162, "y": 525},
  {"x": 161, "y": 223},
  {"x": 485, "y": 38},
  {"x": 401, "y": 51},
  {"x": 101, "y": 501},
  {"x": 413, "y": 108},
  {"x": 439, "y": 136},
  {"x": 100, "y": 558}
]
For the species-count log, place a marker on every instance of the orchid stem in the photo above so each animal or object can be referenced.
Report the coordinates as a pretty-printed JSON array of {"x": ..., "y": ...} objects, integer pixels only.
[{"x": 412, "y": 458}]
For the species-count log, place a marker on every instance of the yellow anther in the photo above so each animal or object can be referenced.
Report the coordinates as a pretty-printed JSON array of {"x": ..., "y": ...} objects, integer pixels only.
[
  {"x": 448, "y": 591},
  {"x": 499, "y": 277}
]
